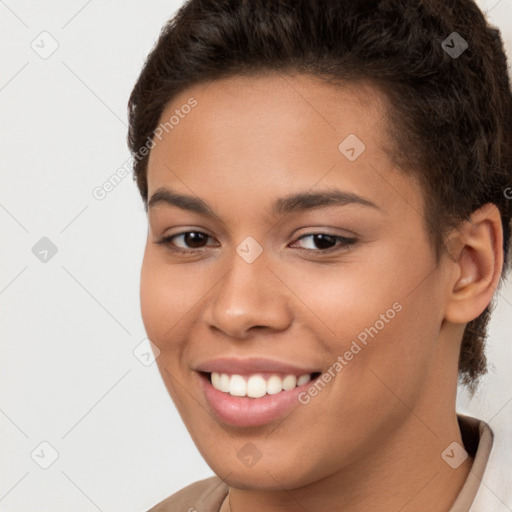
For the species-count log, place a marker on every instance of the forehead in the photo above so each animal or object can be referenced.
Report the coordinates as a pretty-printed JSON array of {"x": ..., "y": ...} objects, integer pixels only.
[
  {"x": 261, "y": 104},
  {"x": 284, "y": 129}
]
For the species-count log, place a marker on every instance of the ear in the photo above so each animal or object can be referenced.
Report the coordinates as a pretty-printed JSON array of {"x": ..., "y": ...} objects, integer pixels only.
[{"x": 477, "y": 264}]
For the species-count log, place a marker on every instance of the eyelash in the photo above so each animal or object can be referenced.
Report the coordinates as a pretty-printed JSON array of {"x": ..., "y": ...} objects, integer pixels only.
[{"x": 344, "y": 245}]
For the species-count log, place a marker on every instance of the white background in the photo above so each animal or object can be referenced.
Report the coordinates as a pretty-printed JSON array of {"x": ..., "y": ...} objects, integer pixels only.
[{"x": 68, "y": 375}]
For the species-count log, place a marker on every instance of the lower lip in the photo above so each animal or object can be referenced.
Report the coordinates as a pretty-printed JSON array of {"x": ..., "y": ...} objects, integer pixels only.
[{"x": 250, "y": 412}]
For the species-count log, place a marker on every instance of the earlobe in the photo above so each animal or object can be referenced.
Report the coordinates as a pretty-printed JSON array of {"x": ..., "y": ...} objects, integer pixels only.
[{"x": 478, "y": 265}]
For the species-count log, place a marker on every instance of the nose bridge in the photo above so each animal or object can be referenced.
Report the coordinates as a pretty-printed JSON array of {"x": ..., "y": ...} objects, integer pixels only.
[{"x": 249, "y": 295}]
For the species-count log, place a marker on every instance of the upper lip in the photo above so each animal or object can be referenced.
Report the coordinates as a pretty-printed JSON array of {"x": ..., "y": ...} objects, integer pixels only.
[{"x": 233, "y": 365}]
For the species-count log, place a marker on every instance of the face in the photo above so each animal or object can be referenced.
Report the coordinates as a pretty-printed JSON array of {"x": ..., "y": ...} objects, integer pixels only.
[{"x": 283, "y": 243}]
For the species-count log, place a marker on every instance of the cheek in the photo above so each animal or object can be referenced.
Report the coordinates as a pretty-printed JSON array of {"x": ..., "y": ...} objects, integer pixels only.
[
  {"x": 350, "y": 297},
  {"x": 171, "y": 297},
  {"x": 163, "y": 299},
  {"x": 381, "y": 317}
]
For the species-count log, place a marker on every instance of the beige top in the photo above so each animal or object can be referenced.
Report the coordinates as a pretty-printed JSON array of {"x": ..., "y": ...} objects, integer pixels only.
[{"x": 208, "y": 495}]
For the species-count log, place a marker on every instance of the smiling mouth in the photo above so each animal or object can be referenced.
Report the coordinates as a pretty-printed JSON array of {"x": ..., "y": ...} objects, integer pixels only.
[{"x": 257, "y": 385}]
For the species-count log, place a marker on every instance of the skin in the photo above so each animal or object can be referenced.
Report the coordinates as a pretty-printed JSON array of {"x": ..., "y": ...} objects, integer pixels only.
[{"x": 376, "y": 432}]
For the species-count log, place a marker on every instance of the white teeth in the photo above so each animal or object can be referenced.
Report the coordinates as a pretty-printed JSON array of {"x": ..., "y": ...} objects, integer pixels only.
[
  {"x": 223, "y": 382},
  {"x": 303, "y": 379},
  {"x": 220, "y": 381},
  {"x": 256, "y": 386},
  {"x": 215, "y": 380},
  {"x": 274, "y": 385},
  {"x": 237, "y": 386},
  {"x": 289, "y": 382}
]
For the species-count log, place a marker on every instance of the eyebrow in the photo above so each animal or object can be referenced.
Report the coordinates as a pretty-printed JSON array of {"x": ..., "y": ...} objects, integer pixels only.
[{"x": 299, "y": 202}]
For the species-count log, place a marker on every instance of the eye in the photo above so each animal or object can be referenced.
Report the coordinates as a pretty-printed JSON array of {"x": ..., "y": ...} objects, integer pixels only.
[
  {"x": 186, "y": 241},
  {"x": 324, "y": 242}
]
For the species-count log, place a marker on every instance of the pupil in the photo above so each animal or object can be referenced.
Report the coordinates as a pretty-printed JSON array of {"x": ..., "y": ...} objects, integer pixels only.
[
  {"x": 194, "y": 239},
  {"x": 324, "y": 241}
]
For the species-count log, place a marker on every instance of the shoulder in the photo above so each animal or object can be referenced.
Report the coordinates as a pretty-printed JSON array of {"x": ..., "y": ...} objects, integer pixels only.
[
  {"x": 205, "y": 495},
  {"x": 493, "y": 478}
]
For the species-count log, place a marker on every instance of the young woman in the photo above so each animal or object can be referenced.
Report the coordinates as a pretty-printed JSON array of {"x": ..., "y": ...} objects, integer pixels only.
[{"x": 326, "y": 186}]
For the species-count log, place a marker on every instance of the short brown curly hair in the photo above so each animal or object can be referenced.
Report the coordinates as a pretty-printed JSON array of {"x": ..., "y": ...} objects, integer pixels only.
[{"x": 450, "y": 120}]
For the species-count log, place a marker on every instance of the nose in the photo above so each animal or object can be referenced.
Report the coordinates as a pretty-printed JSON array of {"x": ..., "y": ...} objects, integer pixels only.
[{"x": 248, "y": 298}]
